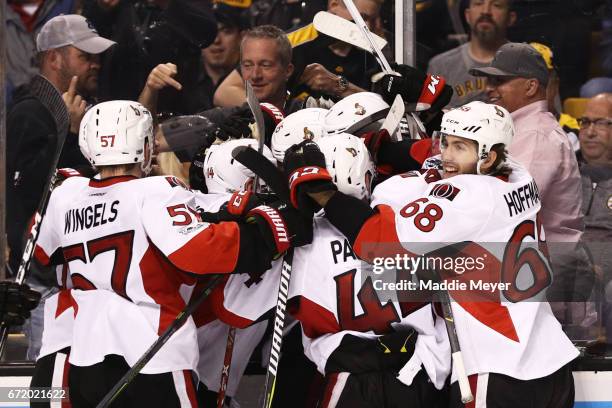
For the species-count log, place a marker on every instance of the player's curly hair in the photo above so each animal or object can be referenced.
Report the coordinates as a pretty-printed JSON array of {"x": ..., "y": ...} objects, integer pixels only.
[{"x": 500, "y": 167}]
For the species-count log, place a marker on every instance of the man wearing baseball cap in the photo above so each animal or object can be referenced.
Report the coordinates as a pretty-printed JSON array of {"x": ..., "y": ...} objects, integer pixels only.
[
  {"x": 517, "y": 79},
  {"x": 68, "y": 57},
  {"x": 78, "y": 44}
]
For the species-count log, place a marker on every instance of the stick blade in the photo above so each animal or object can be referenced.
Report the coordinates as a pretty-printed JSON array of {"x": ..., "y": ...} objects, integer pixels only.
[
  {"x": 257, "y": 113},
  {"x": 344, "y": 30},
  {"x": 395, "y": 115}
]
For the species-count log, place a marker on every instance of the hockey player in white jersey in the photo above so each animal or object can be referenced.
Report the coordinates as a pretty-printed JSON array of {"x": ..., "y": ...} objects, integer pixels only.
[
  {"x": 135, "y": 248},
  {"x": 511, "y": 342},
  {"x": 223, "y": 175},
  {"x": 361, "y": 342}
]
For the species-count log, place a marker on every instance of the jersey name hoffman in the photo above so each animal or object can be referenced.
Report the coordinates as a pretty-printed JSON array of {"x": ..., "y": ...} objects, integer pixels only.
[
  {"x": 522, "y": 198},
  {"x": 91, "y": 216}
]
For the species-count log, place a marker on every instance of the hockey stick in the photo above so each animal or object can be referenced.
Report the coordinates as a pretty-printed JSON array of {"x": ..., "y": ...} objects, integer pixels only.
[
  {"x": 261, "y": 166},
  {"x": 449, "y": 321},
  {"x": 259, "y": 122},
  {"x": 158, "y": 344},
  {"x": 227, "y": 364},
  {"x": 395, "y": 115},
  {"x": 51, "y": 99},
  {"x": 380, "y": 57},
  {"x": 344, "y": 30}
]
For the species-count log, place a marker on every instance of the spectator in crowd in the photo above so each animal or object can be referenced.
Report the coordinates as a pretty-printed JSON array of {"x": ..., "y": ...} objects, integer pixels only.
[
  {"x": 517, "y": 79},
  {"x": 488, "y": 21},
  {"x": 223, "y": 55},
  {"x": 149, "y": 33},
  {"x": 322, "y": 65},
  {"x": 69, "y": 51},
  {"x": 566, "y": 27},
  {"x": 265, "y": 56},
  {"x": 568, "y": 123},
  {"x": 596, "y": 170},
  {"x": 603, "y": 83},
  {"x": 24, "y": 18}
]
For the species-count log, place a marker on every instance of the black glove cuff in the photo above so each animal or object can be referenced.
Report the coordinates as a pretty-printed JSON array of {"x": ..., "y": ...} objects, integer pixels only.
[
  {"x": 255, "y": 257},
  {"x": 397, "y": 155},
  {"x": 348, "y": 214}
]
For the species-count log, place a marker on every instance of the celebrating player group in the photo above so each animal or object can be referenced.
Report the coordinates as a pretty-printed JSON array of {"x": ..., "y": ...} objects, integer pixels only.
[{"x": 288, "y": 236}]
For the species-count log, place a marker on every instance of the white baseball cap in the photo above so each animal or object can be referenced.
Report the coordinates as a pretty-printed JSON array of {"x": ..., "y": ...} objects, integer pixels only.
[{"x": 71, "y": 29}]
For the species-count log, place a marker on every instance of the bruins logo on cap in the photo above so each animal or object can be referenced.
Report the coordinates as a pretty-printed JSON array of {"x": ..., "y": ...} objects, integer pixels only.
[
  {"x": 610, "y": 203},
  {"x": 359, "y": 110},
  {"x": 308, "y": 135},
  {"x": 352, "y": 151}
]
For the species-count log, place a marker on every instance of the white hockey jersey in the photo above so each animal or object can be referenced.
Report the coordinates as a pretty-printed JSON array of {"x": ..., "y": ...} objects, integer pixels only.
[
  {"x": 327, "y": 296},
  {"x": 212, "y": 333},
  {"x": 509, "y": 331},
  {"x": 128, "y": 243},
  {"x": 58, "y": 316}
]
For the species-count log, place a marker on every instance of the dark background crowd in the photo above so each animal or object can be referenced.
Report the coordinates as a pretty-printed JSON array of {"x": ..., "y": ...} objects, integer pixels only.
[{"x": 186, "y": 57}]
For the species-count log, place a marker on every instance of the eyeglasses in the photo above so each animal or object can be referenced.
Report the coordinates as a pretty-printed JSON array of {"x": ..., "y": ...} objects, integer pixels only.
[{"x": 600, "y": 124}]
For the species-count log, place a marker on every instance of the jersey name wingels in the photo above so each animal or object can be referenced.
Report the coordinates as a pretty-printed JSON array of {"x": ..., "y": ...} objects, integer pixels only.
[
  {"x": 522, "y": 198},
  {"x": 90, "y": 216}
]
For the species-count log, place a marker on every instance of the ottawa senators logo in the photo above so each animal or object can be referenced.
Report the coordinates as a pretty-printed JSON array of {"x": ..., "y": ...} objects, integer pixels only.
[
  {"x": 308, "y": 135},
  {"x": 499, "y": 112},
  {"x": 359, "y": 110},
  {"x": 352, "y": 151},
  {"x": 444, "y": 190}
]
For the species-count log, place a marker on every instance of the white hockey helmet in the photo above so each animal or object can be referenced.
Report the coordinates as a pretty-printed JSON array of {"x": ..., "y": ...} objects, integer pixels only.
[
  {"x": 117, "y": 132},
  {"x": 487, "y": 124},
  {"x": 224, "y": 174},
  {"x": 359, "y": 112},
  {"x": 349, "y": 164},
  {"x": 305, "y": 124}
]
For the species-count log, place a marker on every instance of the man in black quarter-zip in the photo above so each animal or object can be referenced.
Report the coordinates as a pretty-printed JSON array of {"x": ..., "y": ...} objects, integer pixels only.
[{"x": 595, "y": 158}]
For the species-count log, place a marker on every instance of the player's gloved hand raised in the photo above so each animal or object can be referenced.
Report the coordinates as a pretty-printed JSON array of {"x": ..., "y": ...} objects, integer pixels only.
[
  {"x": 282, "y": 226},
  {"x": 419, "y": 90},
  {"x": 236, "y": 125},
  {"x": 237, "y": 207},
  {"x": 306, "y": 172},
  {"x": 374, "y": 140},
  {"x": 16, "y": 302}
]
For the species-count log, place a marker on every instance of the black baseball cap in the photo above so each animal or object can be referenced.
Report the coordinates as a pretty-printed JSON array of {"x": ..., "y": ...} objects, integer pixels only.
[
  {"x": 231, "y": 15},
  {"x": 515, "y": 60}
]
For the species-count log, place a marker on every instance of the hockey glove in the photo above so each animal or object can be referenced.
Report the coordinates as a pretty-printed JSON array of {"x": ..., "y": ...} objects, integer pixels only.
[
  {"x": 236, "y": 125},
  {"x": 281, "y": 226},
  {"x": 16, "y": 302},
  {"x": 236, "y": 208},
  {"x": 373, "y": 141},
  {"x": 416, "y": 87},
  {"x": 305, "y": 169}
]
